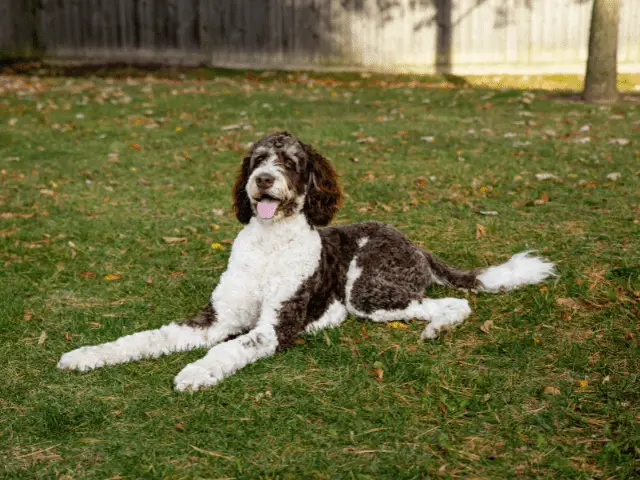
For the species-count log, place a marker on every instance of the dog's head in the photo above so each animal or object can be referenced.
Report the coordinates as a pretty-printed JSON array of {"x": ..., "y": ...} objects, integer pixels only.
[{"x": 281, "y": 177}]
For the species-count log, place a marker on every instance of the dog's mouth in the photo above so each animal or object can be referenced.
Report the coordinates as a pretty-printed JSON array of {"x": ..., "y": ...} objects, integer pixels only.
[{"x": 267, "y": 206}]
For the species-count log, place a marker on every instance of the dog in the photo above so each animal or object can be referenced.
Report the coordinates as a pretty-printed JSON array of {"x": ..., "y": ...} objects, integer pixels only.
[{"x": 289, "y": 273}]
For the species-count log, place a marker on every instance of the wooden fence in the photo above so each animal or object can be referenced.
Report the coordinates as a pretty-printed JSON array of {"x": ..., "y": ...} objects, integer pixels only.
[{"x": 457, "y": 36}]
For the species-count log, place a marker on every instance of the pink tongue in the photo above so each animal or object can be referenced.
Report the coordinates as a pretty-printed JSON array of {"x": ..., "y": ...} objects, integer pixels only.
[{"x": 267, "y": 208}]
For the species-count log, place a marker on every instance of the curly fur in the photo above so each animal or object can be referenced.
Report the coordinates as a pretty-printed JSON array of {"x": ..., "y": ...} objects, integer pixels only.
[{"x": 289, "y": 273}]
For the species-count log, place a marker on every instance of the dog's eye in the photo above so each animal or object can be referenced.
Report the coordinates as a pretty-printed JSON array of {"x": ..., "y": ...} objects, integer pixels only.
[{"x": 259, "y": 158}]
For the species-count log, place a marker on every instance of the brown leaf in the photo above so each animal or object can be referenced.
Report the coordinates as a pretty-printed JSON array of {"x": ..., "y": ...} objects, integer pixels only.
[
  {"x": 47, "y": 192},
  {"x": 27, "y": 315},
  {"x": 43, "y": 337},
  {"x": 568, "y": 303},
  {"x": 174, "y": 240},
  {"x": 551, "y": 390},
  {"x": 481, "y": 231},
  {"x": 377, "y": 373},
  {"x": 176, "y": 274},
  {"x": 87, "y": 274},
  {"x": 179, "y": 426},
  {"x": 8, "y": 215},
  {"x": 486, "y": 326}
]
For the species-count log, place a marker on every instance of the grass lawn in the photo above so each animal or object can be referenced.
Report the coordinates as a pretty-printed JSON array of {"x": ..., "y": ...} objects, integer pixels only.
[{"x": 115, "y": 217}]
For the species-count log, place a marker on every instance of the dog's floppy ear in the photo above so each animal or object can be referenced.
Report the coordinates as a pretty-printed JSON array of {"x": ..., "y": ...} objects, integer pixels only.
[
  {"x": 241, "y": 203},
  {"x": 323, "y": 192}
]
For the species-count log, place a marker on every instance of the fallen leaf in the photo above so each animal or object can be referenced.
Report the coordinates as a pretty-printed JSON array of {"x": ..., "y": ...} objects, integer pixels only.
[
  {"x": 378, "y": 373},
  {"x": 136, "y": 146},
  {"x": 582, "y": 383},
  {"x": 176, "y": 274},
  {"x": 27, "y": 315},
  {"x": 614, "y": 176},
  {"x": 489, "y": 213},
  {"x": 400, "y": 325},
  {"x": 429, "y": 139},
  {"x": 8, "y": 215},
  {"x": 550, "y": 390},
  {"x": 47, "y": 192},
  {"x": 174, "y": 240},
  {"x": 87, "y": 274},
  {"x": 179, "y": 426},
  {"x": 43, "y": 337},
  {"x": 619, "y": 141},
  {"x": 486, "y": 326},
  {"x": 545, "y": 176},
  {"x": 568, "y": 303},
  {"x": 217, "y": 246},
  {"x": 481, "y": 231},
  {"x": 112, "y": 277}
]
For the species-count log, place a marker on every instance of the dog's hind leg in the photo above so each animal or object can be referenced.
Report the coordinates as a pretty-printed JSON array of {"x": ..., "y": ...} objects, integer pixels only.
[
  {"x": 202, "y": 331},
  {"x": 381, "y": 299}
]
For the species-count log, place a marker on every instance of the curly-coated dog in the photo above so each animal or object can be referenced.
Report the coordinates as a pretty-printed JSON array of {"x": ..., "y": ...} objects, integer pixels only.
[{"x": 289, "y": 273}]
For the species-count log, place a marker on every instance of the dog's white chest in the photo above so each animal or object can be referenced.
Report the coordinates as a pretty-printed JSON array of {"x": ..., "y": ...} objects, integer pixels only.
[{"x": 269, "y": 265}]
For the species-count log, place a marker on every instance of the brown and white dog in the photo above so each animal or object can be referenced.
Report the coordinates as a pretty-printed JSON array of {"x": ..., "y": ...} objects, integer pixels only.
[{"x": 288, "y": 274}]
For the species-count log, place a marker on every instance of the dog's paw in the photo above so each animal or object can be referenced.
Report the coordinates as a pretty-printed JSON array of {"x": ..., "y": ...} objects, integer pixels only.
[
  {"x": 81, "y": 359},
  {"x": 193, "y": 377},
  {"x": 445, "y": 312}
]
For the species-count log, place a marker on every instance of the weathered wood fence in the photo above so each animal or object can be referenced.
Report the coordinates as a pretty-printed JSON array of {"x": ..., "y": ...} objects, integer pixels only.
[{"x": 458, "y": 36}]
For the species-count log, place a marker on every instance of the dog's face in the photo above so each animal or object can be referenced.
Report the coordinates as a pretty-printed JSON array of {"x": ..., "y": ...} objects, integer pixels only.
[{"x": 282, "y": 177}]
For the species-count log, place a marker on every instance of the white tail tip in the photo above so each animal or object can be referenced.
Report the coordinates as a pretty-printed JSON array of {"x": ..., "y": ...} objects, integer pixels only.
[{"x": 521, "y": 269}]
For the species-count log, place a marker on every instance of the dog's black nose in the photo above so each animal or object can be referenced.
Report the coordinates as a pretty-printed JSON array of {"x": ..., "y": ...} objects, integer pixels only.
[{"x": 264, "y": 181}]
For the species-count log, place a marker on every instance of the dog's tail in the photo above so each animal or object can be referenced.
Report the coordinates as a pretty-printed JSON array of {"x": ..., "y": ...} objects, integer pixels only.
[{"x": 521, "y": 269}]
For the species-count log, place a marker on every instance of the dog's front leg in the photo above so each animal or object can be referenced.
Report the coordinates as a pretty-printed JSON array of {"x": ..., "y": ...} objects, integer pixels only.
[
  {"x": 204, "y": 330},
  {"x": 277, "y": 329}
]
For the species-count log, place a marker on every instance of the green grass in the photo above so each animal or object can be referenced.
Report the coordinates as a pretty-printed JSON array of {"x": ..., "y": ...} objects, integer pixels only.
[{"x": 95, "y": 172}]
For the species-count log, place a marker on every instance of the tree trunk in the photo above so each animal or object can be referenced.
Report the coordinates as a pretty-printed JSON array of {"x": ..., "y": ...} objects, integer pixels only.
[{"x": 602, "y": 65}]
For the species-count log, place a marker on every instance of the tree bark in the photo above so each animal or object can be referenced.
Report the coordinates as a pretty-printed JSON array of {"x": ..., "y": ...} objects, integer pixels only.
[{"x": 602, "y": 65}]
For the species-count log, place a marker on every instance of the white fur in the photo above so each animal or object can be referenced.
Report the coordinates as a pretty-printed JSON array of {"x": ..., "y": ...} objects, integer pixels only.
[
  {"x": 149, "y": 344},
  {"x": 334, "y": 316},
  {"x": 363, "y": 241},
  {"x": 228, "y": 357},
  {"x": 521, "y": 269}
]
